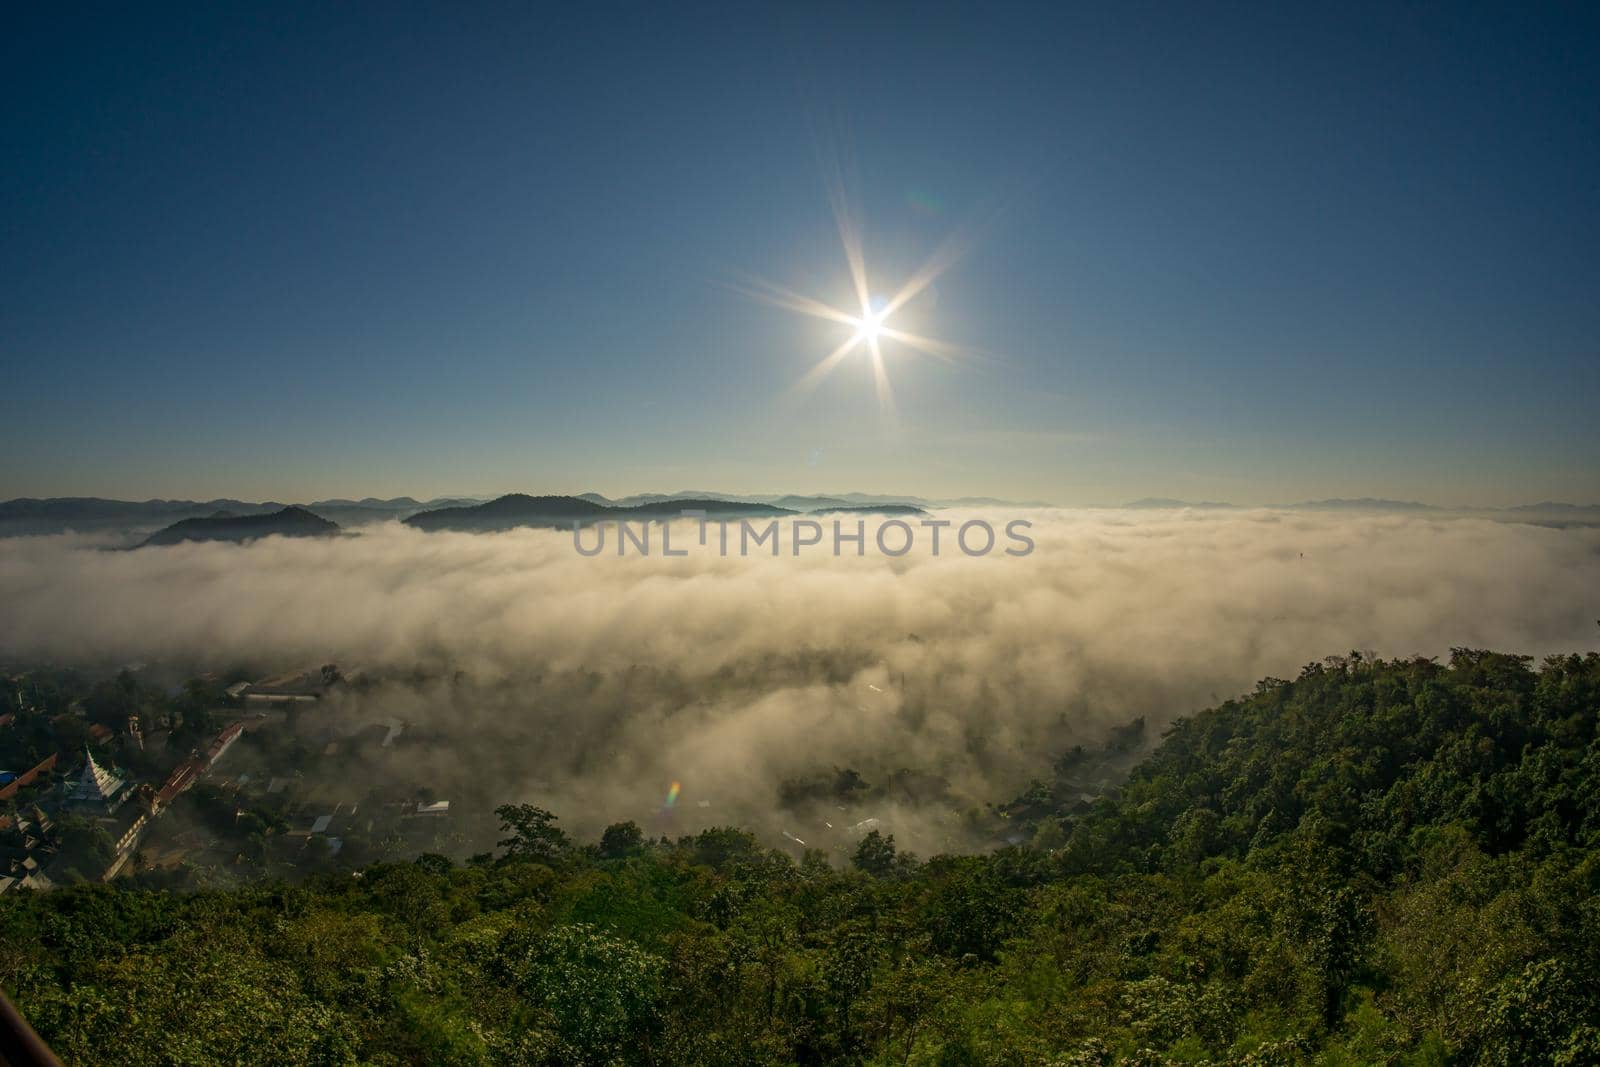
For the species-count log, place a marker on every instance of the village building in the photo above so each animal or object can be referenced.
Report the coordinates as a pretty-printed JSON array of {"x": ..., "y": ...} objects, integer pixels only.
[{"x": 97, "y": 790}]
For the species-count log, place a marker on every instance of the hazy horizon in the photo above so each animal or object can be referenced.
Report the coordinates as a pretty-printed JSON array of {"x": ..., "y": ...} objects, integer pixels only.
[{"x": 1509, "y": 500}]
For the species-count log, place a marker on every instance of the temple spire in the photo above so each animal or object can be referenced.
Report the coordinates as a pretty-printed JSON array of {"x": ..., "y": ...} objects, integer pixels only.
[{"x": 97, "y": 785}]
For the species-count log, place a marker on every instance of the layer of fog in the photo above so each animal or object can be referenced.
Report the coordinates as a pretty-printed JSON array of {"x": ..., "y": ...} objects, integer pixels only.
[{"x": 591, "y": 684}]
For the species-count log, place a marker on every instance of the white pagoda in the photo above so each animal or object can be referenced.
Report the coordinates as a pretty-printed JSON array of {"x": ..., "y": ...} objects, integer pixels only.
[{"x": 98, "y": 788}]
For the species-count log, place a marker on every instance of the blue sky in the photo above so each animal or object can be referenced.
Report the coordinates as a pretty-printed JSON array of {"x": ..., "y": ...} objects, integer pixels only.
[{"x": 1222, "y": 252}]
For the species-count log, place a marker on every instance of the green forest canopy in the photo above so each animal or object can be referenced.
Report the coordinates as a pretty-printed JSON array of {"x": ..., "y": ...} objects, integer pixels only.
[{"x": 1378, "y": 862}]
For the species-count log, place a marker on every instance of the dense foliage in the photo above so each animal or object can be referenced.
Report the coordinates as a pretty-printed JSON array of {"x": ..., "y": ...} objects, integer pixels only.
[{"x": 1378, "y": 862}]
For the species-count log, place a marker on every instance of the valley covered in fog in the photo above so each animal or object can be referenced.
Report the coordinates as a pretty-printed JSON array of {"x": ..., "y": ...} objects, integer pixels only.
[{"x": 803, "y": 695}]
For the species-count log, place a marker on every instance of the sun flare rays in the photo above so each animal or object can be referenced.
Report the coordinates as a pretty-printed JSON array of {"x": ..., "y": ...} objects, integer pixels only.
[{"x": 870, "y": 330}]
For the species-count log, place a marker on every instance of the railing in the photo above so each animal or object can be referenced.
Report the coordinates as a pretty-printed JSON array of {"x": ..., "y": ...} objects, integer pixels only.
[{"x": 19, "y": 1045}]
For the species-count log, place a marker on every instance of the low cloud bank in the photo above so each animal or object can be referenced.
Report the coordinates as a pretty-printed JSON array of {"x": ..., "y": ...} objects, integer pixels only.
[{"x": 591, "y": 684}]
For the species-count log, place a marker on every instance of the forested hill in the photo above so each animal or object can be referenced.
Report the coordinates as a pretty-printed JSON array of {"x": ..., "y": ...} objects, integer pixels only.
[
  {"x": 287, "y": 522},
  {"x": 1378, "y": 862},
  {"x": 1369, "y": 760}
]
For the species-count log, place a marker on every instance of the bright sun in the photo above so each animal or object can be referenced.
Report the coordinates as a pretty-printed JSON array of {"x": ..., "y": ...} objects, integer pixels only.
[
  {"x": 870, "y": 326},
  {"x": 869, "y": 329}
]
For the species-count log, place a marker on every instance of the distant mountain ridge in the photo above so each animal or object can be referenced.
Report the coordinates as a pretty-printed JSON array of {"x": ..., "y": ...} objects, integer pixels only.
[
  {"x": 223, "y": 526},
  {"x": 93, "y": 507},
  {"x": 27, "y": 516},
  {"x": 1553, "y": 506},
  {"x": 131, "y": 519},
  {"x": 815, "y": 501},
  {"x": 519, "y": 509},
  {"x": 399, "y": 503},
  {"x": 506, "y": 512}
]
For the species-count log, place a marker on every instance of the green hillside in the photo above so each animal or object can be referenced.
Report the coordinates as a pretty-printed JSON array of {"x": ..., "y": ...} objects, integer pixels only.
[{"x": 1378, "y": 862}]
